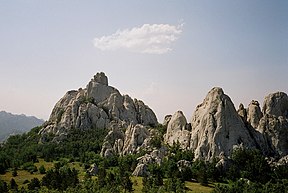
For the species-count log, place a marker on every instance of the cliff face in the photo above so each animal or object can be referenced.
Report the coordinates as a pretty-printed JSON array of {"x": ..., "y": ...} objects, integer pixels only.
[{"x": 97, "y": 106}]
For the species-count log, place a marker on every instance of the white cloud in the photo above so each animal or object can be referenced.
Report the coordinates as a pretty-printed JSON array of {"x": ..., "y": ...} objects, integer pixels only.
[{"x": 149, "y": 38}]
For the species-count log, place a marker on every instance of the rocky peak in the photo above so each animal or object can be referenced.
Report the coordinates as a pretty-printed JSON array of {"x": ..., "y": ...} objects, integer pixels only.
[
  {"x": 101, "y": 78},
  {"x": 217, "y": 127},
  {"x": 276, "y": 104},
  {"x": 242, "y": 112},
  {"x": 254, "y": 113},
  {"x": 177, "y": 130},
  {"x": 97, "y": 106}
]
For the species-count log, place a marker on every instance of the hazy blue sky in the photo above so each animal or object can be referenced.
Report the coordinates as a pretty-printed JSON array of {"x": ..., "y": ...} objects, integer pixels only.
[{"x": 169, "y": 53}]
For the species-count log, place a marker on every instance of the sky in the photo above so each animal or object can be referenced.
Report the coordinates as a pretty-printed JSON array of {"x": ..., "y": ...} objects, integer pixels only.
[{"x": 168, "y": 53}]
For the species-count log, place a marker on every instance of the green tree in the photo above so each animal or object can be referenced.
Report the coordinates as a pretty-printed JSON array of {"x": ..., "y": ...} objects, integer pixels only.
[
  {"x": 13, "y": 184},
  {"x": 34, "y": 184},
  {"x": 42, "y": 169},
  {"x": 251, "y": 164},
  {"x": 3, "y": 186},
  {"x": 14, "y": 172}
]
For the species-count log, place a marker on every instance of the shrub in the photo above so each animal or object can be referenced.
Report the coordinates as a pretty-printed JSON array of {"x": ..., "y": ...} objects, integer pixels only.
[{"x": 42, "y": 169}]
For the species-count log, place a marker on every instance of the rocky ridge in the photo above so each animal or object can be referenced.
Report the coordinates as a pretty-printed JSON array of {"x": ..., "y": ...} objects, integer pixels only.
[
  {"x": 96, "y": 106},
  {"x": 215, "y": 129}
]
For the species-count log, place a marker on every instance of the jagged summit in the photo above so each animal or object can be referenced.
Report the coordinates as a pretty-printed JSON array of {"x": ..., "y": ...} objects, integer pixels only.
[{"x": 97, "y": 106}]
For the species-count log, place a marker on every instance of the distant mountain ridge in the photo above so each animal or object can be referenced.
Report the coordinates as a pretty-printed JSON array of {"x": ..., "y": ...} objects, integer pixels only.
[{"x": 15, "y": 124}]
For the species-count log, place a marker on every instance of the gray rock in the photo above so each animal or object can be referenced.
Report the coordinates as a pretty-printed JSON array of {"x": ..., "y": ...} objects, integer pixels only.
[
  {"x": 140, "y": 170},
  {"x": 182, "y": 164},
  {"x": 93, "y": 170},
  {"x": 274, "y": 123},
  {"x": 276, "y": 104},
  {"x": 167, "y": 119},
  {"x": 216, "y": 127},
  {"x": 134, "y": 138},
  {"x": 275, "y": 132},
  {"x": 254, "y": 113},
  {"x": 176, "y": 131},
  {"x": 97, "y": 106},
  {"x": 242, "y": 112},
  {"x": 101, "y": 78}
]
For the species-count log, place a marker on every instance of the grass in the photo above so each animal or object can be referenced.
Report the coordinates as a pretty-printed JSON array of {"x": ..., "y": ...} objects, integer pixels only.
[
  {"x": 198, "y": 188},
  {"x": 25, "y": 175},
  {"x": 192, "y": 187}
]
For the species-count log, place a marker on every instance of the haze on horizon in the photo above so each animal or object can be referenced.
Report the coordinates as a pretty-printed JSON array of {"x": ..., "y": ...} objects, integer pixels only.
[{"x": 167, "y": 53}]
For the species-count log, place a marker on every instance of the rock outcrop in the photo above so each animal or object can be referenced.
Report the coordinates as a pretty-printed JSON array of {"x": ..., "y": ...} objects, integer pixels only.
[
  {"x": 177, "y": 130},
  {"x": 216, "y": 127},
  {"x": 97, "y": 106},
  {"x": 274, "y": 123},
  {"x": 140, "y": 170},
  {"x": 254, "y": 113},
  {"x": 119, "y": 143},
  {"x": 276, "y": 104},
  {"x": 134, "y": 138}
]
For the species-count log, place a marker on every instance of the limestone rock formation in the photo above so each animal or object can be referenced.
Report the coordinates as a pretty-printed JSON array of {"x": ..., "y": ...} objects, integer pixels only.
[
  {"x": 216, "y": 127},
  {"x": 140, "y": 170},
  {"x": 167, "y": 119},
  {"x": 93, "y": 170},
  {"x": 274, "y": 123},
  {"x": 97, "y": 106},
  {"x": 119, "y": 143},
  {"x": 242, "y": 112},
  {"x": 114, "y": 141},
  {"x": 177, "y": 130},
  {"x": 134, "y": 138},
  {"x": 254, "y": 113},
  {"x": 276, "y": 104}
]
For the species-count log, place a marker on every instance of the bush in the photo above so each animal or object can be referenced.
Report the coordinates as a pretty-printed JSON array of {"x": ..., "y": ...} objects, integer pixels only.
[
  {"x": 13, "y": 184},
  {"x": 14, "y": 172},
  {"x": 34, "y": 184},
  {"x": 42, "y": 169},
  {"x": 3, "y": 186}
]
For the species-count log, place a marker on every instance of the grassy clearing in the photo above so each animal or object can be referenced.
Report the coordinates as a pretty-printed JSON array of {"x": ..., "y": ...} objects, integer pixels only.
[
  {"x": 25, "y": 175},
  {"x": 137, "y": 183},
  {"x": 198, "y": 188},
  {"x": 192, "y": 187}
]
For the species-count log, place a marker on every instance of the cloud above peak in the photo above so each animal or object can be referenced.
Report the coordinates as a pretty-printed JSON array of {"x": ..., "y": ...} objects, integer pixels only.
[{"x": 148, "y": 39}]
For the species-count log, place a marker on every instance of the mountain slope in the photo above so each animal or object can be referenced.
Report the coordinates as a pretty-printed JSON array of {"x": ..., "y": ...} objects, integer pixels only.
[{"x": 14, "y": 124}]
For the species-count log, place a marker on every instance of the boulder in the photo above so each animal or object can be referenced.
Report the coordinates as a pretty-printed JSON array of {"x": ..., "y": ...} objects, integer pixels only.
[{"x": 93, "y": 170}]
